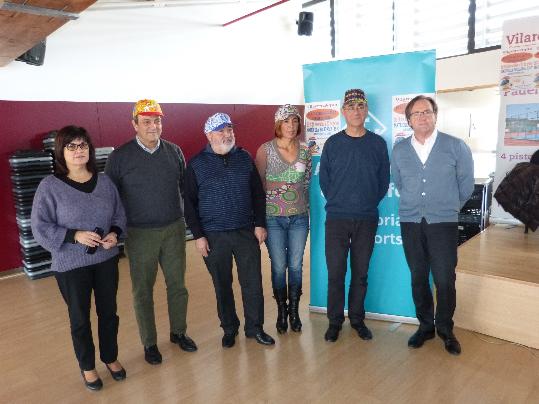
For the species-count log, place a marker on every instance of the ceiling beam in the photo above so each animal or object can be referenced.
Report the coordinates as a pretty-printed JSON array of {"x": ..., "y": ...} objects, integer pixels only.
[{"x": 41, "y": 11}]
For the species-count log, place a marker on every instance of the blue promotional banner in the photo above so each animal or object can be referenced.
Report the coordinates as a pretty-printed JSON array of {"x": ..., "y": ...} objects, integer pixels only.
[{"x": 389, "y": 82}]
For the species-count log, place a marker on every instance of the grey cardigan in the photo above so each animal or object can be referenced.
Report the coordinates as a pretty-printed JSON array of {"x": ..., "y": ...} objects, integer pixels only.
[{"x": 438, "y": 189}]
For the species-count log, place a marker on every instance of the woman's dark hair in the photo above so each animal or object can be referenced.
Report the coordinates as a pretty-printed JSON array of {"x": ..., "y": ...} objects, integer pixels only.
[
  {"x": 535, "y": 158},
  {"x": 65, "y": 136}
]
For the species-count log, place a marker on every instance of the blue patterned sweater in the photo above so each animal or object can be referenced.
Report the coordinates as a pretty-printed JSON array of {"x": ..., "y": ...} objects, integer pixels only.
[{"x": 223, "y": 192}]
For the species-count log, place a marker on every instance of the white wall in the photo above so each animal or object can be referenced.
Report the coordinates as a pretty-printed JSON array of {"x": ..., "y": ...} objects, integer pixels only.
[
  {"x": 473, "y": 70},
  {"x": 472, "y": 116},
  {"x": 176, "y": 54},
  {"x": 182, "y": 54}
]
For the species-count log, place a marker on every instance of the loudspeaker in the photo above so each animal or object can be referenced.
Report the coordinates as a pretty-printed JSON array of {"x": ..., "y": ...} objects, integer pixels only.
[
  {"x": 305, "y": 23},
  {"x": 34, "y": 56}
]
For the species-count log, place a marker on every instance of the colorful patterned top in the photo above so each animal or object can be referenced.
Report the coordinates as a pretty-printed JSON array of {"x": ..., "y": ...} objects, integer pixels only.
[{"x": 286, "y": 184}]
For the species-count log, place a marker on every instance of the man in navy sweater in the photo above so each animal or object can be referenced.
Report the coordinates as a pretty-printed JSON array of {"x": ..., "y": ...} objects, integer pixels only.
[
  {"x": 354, "y": 177},
  {"x": 434, "y": 175},
  {"x": 225, "y": 208}
]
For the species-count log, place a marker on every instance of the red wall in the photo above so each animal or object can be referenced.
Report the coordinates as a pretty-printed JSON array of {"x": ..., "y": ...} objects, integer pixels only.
[{"x": 24, "y": 123}]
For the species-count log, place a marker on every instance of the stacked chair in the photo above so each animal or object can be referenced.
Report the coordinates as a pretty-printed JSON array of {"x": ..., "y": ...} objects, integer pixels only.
[{"x": 28, "y": 168}]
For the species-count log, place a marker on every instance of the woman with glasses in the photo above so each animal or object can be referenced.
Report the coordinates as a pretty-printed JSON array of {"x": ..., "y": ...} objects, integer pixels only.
[
  {"x": 77, "y": 215},
  {"x": 284, "y": 164}
]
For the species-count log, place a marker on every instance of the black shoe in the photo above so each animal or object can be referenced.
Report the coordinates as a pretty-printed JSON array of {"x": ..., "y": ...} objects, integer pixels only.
[
  {"x": 185, "y": 343},
  {"x": 229, "y": 340},
  {"x": 332, "y": 333},
  {"x": 117, "y": 375},
  {"x": 97, "y": 384},
  {"x": 451, "y": 343},
  {"x": 262, "y": 338},
  {"x": 152, "y": 355},
  {"x": 362, "y": 330},
  {"x": 418, "y": 339}
]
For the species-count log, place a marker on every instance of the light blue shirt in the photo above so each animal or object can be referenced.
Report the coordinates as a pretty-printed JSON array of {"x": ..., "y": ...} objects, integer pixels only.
[{"x": 146, "y": 149}]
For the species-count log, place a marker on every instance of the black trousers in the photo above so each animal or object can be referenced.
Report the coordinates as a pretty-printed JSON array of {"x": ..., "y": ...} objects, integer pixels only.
[
  {"x": 243, "y": 246},
  {"x": 76, "y": 287},
  {"x": 356, "y": 237},
  {"x": 432, "y": 248}
]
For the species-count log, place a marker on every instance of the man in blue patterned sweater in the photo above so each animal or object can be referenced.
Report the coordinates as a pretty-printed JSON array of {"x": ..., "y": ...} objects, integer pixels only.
[
  {"x": 225, "y": 208},
  {"x": 434, "y": 174}
]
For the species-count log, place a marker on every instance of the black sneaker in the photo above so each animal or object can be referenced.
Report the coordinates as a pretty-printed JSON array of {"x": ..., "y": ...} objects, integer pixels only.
[{"x": 152, "y": 355}]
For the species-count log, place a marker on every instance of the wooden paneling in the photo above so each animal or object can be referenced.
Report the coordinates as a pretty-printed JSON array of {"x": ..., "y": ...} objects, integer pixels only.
[
  {"x": 72, "y": 6},
  {"x": 21, "y": 31}
]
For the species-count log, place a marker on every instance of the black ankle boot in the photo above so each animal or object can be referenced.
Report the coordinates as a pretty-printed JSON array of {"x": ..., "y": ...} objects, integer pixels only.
[
  {"x": 294, "y": 294},
  {"x": 282, "y": 310}
]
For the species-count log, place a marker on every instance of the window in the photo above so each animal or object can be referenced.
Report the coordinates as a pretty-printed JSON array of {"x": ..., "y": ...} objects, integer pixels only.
[
  {"x": 490, "y": 15},
  {"x": 424, "y": 24},
  {"x": 363, "y": 28},
  {"x": 366, "y": 27}
]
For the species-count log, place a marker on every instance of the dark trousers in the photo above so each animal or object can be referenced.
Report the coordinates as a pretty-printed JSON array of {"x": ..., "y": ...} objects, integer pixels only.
[
  {"x": 432, "y": 248},
  {"x": 145, "y": 249},
  {"x": 76, "y": 287},
  {"x": 356, "y": 237},
  {"x": 243, "y": 246}
]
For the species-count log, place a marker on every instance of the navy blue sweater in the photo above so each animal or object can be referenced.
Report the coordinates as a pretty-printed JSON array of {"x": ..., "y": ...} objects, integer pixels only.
[
  {"x": 223, "y": 192},
  {"x": 354, "y": 175}
]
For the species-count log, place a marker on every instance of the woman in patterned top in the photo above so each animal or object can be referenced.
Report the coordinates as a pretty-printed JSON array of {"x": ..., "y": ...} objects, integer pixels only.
[{"x": 284, "y": 164}]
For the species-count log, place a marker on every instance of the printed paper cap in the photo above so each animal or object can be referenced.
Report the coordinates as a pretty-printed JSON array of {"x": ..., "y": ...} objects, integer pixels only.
[
  {"x": 147, "y": 107},
  {"x": 217, "y": 122},
  {"x": 284, "y": 111}
]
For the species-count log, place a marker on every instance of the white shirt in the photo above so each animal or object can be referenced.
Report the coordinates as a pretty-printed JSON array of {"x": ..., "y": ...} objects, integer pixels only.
[
  {"x": 151, "y": 151},
  {"x": 423, "y": 150}
]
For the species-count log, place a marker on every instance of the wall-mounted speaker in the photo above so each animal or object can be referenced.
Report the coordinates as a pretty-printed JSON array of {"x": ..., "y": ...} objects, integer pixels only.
[
  {"x": 305, "y": 23},
  {"x": 34, "y": 56}
]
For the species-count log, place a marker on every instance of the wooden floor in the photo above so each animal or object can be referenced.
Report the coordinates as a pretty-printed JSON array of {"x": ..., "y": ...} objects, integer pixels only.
[{"x": 38, "y": 365}]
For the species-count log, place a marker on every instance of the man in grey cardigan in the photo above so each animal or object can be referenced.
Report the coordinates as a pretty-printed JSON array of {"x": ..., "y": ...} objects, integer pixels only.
[
  {"x": 433, "y": 172},
  {"x": 149, "y": 173}
]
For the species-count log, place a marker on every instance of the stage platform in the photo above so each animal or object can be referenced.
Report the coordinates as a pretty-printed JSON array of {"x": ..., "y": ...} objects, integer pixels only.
[{"x": 498, "y": 285}]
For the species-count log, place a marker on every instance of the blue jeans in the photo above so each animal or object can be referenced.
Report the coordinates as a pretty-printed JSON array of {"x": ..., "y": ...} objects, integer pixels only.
[{"x": 287, "y": 236}]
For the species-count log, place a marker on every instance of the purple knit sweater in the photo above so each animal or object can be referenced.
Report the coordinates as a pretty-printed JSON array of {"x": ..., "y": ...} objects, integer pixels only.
[{"x": 58, "y": 207}]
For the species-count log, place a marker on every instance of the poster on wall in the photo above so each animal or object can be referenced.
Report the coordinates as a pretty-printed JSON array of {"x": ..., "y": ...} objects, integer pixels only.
[
  {"x": 518, "y": 134},
  {"x": 322, "y": 119},
  {"x": 389, "y": 82}
]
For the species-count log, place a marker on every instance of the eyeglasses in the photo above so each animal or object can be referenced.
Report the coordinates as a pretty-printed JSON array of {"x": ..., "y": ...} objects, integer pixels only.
[
  {"x": 355, "y": 107},
  {"x": 426, "y": 113},
  {"x": 75, "y": 146}
]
